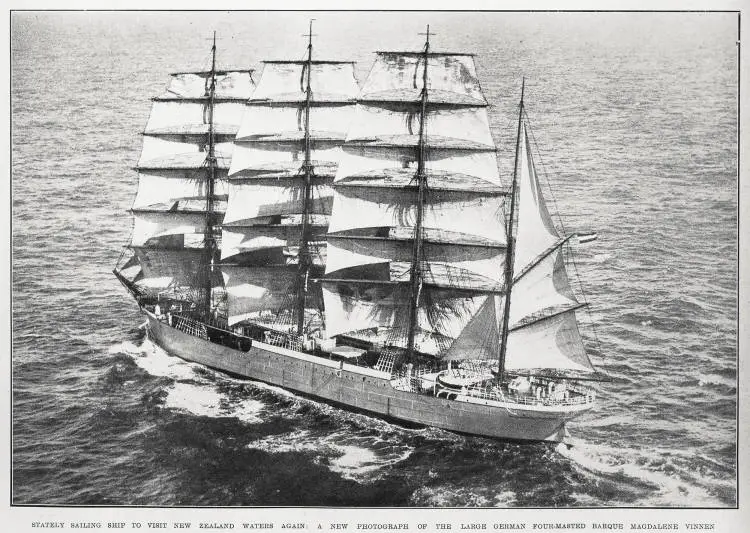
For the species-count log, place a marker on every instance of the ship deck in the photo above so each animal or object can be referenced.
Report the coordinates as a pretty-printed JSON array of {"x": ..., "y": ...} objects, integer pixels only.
[{"x": 463, "y": 383}]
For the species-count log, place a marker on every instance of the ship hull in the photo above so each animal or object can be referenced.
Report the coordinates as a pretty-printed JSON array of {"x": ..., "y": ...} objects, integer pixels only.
[{"x": 360, "y": 388}]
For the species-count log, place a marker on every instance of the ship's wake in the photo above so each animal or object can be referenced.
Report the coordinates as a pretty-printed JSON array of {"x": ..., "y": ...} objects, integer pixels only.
[
  {"x": 357, "y": 448},
  {"x": 356, "y": 457},
  {"x": 658, "y": 477}
]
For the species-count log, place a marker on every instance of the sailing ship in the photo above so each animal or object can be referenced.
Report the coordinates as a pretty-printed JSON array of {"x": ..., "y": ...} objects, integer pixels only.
[{"x": 357, "y": 245}]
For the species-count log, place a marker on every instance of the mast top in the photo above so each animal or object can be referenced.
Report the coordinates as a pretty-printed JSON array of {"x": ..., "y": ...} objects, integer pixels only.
[
  {"x": 427, "y": 39},
  {"x": 310, "y": 35}
]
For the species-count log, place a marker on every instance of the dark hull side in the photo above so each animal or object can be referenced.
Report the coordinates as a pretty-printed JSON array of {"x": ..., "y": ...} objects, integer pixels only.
[{"x": 359, "y": 388}]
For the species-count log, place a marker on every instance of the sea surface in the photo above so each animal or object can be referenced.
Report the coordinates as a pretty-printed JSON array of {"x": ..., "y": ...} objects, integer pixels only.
[{"x": 635, "y": 121}]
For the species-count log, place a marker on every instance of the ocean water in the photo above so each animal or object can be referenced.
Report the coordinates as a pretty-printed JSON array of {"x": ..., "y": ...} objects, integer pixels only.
[{"x": 635, "y": 118}]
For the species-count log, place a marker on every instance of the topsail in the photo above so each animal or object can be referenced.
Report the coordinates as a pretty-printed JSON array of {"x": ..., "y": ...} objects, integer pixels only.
[
  {"x": 175, "y": 175},
  {"x": 403, "y": 127},
  {"x": 280, "y": 199}
]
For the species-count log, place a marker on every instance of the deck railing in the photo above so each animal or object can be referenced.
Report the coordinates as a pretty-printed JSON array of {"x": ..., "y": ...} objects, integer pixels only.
[{"x": 413, "y": 380}]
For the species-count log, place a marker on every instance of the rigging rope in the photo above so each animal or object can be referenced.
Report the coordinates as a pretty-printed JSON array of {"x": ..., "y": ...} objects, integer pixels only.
[{"x": 570, "y": 255}]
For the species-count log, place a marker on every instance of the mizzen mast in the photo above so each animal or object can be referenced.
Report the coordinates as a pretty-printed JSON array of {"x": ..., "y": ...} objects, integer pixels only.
[
  {"x": 416, "y": 261},
  {"x": 510, "y": 250}
]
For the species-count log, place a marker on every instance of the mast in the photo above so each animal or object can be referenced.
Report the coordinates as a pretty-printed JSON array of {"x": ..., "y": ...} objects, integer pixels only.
[
  {"x": 509, "y": 255},
  {"x": 209, "y": 240},
  {"x": 304, "y": 252},
  {"x": 416, "y": 266}
]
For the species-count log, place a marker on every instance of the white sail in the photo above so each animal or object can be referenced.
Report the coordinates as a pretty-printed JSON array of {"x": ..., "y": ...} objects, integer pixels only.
[
  {"x": 264, "y": 240},
  {"x": 480, "y": 339},
  {"x": 149, "y": 224},
  {"x": 451, "y": 78},
  {"x": 230, "y": 84},
  {"x": 286, "y": 81},
  {"x": 545, "y": 286},
  {"x": 168, "y": 268},
  {"x": 176, "y": 116},
  {"x": 269, "y": 121},
  {"x": 158, "y": 151},
  {"x": 536, "y": 231},
  {"x": 168, "y": 186},
  {"x": 253, "y": 290},
  {"x": 252, "y": 199},
  {"x": 281, "y": 156},
  {"x": 463, "y": 260},
  {"x": 463, "y": 126},
  {"x": 373, "y": 161},
  {"x": 459, "y": 212},
  {"x": 360, "y": 306},
  {"x": 553, "y": 343}
]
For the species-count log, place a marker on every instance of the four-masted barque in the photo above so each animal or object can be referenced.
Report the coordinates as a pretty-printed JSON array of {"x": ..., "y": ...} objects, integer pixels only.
[{"x": 358, "y": 245}]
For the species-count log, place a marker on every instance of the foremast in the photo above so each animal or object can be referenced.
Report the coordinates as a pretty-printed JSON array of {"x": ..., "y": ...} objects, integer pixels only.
[{"x": 421, "y": 221}]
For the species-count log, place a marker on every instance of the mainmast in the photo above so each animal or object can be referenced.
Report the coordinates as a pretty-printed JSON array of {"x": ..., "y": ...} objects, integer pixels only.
[
  {"x": 416, "y": 260},
  {"x": 304, "y": 251},
  {"x": 209, "y": 240},
  {"x": 510, "y": 251}
]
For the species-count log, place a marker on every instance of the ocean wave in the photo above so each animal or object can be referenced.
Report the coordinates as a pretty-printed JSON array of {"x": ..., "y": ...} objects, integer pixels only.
[
  {"x": 669, "y": 481},
  {"x": 202, "y": 400},
  {"x": 356, "y": 457}
]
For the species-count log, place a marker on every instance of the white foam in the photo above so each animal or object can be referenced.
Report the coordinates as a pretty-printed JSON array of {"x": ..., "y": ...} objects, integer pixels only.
[
  {"x": 197, "y": 399},
  {"x": 505, "y": 499},
  {"x": 351, "y": 456},
  {"x": 714, "y": 379},
  {"x": 125, "y": 347},
  {"x": 159, "y": 363},
  {"x": 248, "y": 411},
  {"x": 673, "y": 489},
  {"x": 601, "y": 258},
  {"x": 203, "y": 400}
]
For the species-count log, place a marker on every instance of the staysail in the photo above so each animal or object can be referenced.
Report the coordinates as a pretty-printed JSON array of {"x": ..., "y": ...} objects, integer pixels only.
[
  {"x": 280, "y": 192},
  {"x": 543, "y": 334},
  {"x": 182, "y": 185}
]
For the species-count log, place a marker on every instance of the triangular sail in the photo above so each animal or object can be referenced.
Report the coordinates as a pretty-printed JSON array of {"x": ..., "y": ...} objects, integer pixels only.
[
  {"x": 543, "y": 334},
  {"x": 536, "y": 231}
]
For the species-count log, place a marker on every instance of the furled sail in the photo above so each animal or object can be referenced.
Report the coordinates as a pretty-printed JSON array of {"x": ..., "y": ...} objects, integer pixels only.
[
  {"x": 174, "y": 170},
  {"x": 376, "y": 208},
  {"x": 280, "y": 195}
]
